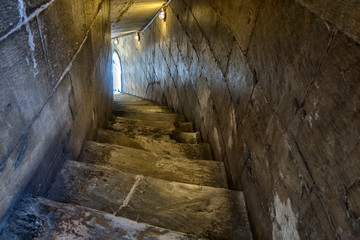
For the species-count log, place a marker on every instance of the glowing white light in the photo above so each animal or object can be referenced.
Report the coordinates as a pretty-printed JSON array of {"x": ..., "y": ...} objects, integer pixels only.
[
  {"x": 162, "y": 15},
  {"x": 137, "y": 37},
  {"x": 116, "y": 41}
]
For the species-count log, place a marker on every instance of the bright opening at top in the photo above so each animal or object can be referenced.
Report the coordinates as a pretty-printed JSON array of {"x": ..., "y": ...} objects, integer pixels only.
[{"x": 116, "y": 73}]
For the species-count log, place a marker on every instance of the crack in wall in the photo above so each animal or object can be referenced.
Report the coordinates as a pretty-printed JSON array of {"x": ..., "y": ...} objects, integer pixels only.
[{"x": 313, "y": 80}]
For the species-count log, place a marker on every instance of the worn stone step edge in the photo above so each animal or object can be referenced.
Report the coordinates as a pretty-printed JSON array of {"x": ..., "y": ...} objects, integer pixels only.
[
  {"x": 41, "y": 218},
  {"x": 200, "y": 172},
  {"x": 132, "y": 99},
  {"x": 186, "y": 137},
  {"x": 215, "y": 213},
  {"x": 180, "y": 126},
  {"x": 141, "y": 108},
  {"x": 200, "y": 151},
  {"x": 174, "y": 117}
]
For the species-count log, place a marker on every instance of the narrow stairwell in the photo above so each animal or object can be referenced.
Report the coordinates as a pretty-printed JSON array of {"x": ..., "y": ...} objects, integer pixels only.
[{"x": 147, "y": 176}]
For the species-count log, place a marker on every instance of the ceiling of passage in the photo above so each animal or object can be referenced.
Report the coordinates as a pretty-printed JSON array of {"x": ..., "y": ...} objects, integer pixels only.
[{"x": 129, "y": 16}]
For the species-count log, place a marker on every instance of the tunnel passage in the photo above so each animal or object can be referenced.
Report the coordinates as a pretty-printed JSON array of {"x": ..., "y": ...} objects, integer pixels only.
[{"x": 272, "y": 85}]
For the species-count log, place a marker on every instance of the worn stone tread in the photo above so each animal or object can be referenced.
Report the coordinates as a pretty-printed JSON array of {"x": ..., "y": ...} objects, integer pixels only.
[
  {"x": 202, "y": 172},
  {"x": 207, "y": 212},
  {"x": 184, "y": 126},
  {"x": 162, "y": 149},
  {"x": 113, "y": 137},
  {"x": 186, "y": 137},
  {"x": 172, "y": 117},
  {"x": 128, "y": 99},
  {"x": 137, "y": 108},
  {"x": 40, "y": 218},
  {"x": 137, "y": 127}
]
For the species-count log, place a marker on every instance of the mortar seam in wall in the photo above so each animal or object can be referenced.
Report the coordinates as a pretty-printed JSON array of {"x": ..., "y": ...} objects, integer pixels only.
[
  {"x": 44, "y": 49},
  {"x": 217, "y": 62},
  {"x": 192, "y": 45},
  {"x": 205, "y": 37},
  {"x": 351, "y": 36},
  {"x": 307, "y": 190},
  {"x": 180, "y": 53},
  {"x": 244, "y": 53},
  {"x": 308, "y": 170},
  {"x": 186, "y": 33},
  {"x": 253, "y": 30},
  {"x": 123, "y": 12},
  {"x": 230, "y": 182},
  {"x": 167, "y": 65},
  {"x": 26, "y": 19},
  {"x": 264, "y": 210},
  {"x": 30, "y": 123},
  {"x": 159, "y": 83},
  {"x": 58, "y": 150},
  {"x": 313, "y": 80},
  {"x": 319, "y": 195}
]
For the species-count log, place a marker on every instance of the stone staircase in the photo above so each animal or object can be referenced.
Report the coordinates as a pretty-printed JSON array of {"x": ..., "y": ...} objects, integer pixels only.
[{"x": 146, "y": 176}]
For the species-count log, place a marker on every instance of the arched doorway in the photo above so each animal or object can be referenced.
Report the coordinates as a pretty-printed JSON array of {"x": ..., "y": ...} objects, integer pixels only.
[{"x": 116, "y": 64}]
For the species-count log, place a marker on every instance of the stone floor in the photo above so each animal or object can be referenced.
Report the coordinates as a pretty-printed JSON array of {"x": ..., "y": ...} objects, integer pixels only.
[{"x": 147, "y": 176}]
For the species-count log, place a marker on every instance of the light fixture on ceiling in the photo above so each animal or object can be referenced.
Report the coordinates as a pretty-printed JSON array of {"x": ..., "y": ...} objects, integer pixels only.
[
  {"x": 137, "y": 36},
  {"x": 116, "y": 41},
  {"x": 162, "y": 14}
]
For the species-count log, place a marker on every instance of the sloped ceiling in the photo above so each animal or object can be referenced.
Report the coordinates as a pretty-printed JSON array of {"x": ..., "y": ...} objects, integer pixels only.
[{"x": 129, "y": 16}]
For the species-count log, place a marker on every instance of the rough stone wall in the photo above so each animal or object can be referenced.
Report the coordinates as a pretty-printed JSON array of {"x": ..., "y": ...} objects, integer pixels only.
[
  {"x": 55, "y": 87},
  {"x": 274, "y": 87}
]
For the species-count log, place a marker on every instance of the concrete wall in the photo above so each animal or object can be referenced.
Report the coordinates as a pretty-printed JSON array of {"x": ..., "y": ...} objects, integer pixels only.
[
  {"x": 55, "y": 87},
  {"x": 274, "y": 87}
]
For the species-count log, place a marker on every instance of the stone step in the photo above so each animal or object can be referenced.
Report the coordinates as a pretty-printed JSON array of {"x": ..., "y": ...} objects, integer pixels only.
[
  {"x": 184, "y": 126},
  {"x": 127, "y": 99},
  {"x": 134, "y": 127},
  {"x": 186, "y": 137},
  {"x": 170, "y": 117},
  {"x": 201, "y": 172},
  {"x": 40, "y": 218},
  {"x": 113, "y": 137},
  {"x": 161, "y": 149},
  {"x": 213, "y": 213},
  {"x": 140, "y": 108}
]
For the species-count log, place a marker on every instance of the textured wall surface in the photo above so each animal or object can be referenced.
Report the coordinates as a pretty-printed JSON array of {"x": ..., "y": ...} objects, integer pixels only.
[
  {"x": 55, "y": 87},
  {"x": 274, "y": 87}
]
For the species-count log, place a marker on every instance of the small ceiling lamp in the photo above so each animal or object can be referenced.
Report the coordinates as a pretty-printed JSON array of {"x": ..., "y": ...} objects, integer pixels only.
[
  {"x": 162, "y": 14},
  {"x": 116, "y": 41},
  {"x": 137, "y": 36}
]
